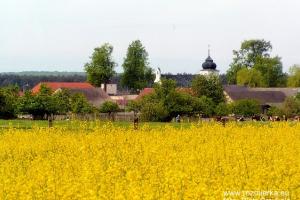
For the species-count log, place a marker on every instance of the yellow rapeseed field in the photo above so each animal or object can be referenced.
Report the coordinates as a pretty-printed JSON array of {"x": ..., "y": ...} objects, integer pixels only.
[{"x": 205, "y": 161}]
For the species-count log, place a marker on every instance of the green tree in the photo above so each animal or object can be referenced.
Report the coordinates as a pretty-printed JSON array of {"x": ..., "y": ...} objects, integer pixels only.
[
  {"x": 246, "y": 107},
  {"x": 110, "y": 108},
  {"x": 8, "y": 99},
  {"x": 298, "y": 96},
  {"x": 166, "y": 87},
  {"x": 275, "y": 111},
  {"x": 134, "y": 105},
  {"x": 179, "y": 104},
  {"x": 27, "y": 104},
  {"x": 222, "y": 109},
  {"x": 204, "y": 106},
  {"x": 165, "y": 103},
  {"x": 291, "y": 106},
  {"x": 249, "y": 77},
  {"x": 176, "y": 103},
  {"x": 210, "y": 87},
  {"x": 40, "y": 105},
  {"x": 63, "y": 99},
  {"x": 154, "y": 111},
  {"x": 137, "y": 73},
  {"x": 80, "y": 105},
  {"x": 271, "y": 71},
  {"x": 256, "y": 54},
  {"x": 101, "y": 68},
  {"x": 294, "y": 76}
]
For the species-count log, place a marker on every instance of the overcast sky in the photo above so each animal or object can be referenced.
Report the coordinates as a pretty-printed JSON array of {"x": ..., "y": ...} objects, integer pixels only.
[{"x": 61, "y": 34}]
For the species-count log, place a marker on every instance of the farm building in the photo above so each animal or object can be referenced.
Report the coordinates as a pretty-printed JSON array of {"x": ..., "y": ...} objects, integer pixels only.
[
  {"x": 96, "y": 96},
  {"x": 265, "y": 96}
]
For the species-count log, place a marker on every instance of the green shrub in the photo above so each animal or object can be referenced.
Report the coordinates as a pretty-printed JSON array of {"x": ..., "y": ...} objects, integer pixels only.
[{"x": 246, "y": 107}]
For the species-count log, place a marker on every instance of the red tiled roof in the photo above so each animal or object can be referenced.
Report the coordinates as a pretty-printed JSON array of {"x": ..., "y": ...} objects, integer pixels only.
[
  {"x": 66, "y": 85},
  {"x": 145, "y": 92}
]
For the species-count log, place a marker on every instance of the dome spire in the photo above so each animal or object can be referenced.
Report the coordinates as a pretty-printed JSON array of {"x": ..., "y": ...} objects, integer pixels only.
[{"x": 209, "y": 63}]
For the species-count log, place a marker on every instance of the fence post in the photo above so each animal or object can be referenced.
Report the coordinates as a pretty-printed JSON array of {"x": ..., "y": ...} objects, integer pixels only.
[
  {"x": 50, "y": 121},
  {"x": 135, "y": 122}
]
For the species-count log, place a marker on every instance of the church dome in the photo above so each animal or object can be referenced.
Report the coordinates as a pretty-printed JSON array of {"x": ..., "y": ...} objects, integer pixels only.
[{"x": 209, "y": 64}]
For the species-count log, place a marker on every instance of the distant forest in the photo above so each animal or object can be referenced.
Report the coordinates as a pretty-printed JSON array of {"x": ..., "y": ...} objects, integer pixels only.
[{"x": 30, "y": 79}]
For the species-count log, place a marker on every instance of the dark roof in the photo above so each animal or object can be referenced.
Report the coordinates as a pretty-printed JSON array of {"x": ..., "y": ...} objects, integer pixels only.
[
  {"x": 209, "y": 63},
  {"x": 267, "y": 96}
]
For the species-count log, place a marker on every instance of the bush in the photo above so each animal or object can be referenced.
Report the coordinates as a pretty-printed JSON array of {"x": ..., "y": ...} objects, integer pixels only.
[
  {"x": 109, "y": 107},
  {"x": 134, "y": 106},
  {"x": 155, "y": 112},
  {"x": 274, "y": 111},
  {"x": 80, "y": 105},
  {"x": 291, "y": 107},
  {"x": 8, "y": 101},
  {"x": 204, "y": 106},
  {"x": 222, "y": 109},
  {"x": 246, "y": 107}
]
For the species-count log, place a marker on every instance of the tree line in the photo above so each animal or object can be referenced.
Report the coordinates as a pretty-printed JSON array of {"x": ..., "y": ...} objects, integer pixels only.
[{"x": 205, "y": 98}]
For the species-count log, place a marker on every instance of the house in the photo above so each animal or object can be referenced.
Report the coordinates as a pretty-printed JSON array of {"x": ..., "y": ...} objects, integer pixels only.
[{"x": 96, "y": 96}]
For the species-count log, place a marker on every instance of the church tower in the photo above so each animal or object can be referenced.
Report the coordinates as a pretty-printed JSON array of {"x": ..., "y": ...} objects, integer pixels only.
[{"x": 209, "y": 67}]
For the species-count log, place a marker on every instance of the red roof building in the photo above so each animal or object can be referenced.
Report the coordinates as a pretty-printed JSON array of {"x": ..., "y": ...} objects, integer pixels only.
[
  {"x": 96, "y": 96},
  {"x": 62, "y": 85}
]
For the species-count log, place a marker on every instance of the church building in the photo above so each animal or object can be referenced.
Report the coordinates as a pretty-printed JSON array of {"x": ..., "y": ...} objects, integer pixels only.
[{"x": 209, "y": 67}]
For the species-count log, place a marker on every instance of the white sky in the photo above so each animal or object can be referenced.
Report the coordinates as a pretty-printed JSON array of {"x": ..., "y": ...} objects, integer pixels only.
[{"x": 60, "y": 35}]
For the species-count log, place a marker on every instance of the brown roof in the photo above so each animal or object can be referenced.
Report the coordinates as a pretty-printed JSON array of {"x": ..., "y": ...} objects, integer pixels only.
[
  {"x": 263, "y": 95},
  {"x": 95, "y": 96}
]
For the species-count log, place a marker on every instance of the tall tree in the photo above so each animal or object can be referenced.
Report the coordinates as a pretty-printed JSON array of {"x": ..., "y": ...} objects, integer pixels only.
[
  {"x": 137, "y": 73},
  {"x": 210, "y": 87},
  {"x": 294, "y": 76},
  {"x": 101, "y": 68},
  {"x": 271, "y": 70},
  {"x": 256, "y": 54},
  {"x": 8, "y": 99},
  {"x": 249, "y": 77}
]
